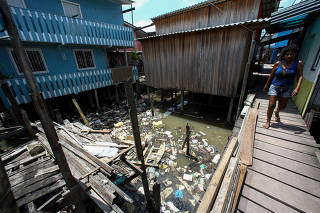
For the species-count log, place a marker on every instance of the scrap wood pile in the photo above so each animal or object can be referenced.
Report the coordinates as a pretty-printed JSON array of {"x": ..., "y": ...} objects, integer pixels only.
[
  {"x": 35, "y": 179},
  {"x": 224, "y": 189},
  {"x": 88, "y": 156}
]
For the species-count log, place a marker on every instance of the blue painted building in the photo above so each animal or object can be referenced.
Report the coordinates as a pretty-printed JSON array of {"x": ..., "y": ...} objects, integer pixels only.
[{"x": 66, "y": 43}]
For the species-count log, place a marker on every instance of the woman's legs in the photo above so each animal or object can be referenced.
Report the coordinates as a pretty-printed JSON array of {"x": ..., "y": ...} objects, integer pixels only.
[
  {"x": 271, "y": 106},
  {"x": 281, "y": 106}
]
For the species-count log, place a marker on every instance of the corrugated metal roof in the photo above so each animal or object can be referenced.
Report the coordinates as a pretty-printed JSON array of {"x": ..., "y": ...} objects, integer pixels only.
[
  {"x": 295, "y": 16},
  {"x": 269, "y": 6},
  {"x": 256, "y": 21}
]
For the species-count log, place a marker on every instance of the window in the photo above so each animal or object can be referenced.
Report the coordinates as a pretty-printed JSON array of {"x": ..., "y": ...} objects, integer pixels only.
[
  {"x": 316, "y": 62},
  {"x": 16, "y": 3},
  {"x": 35, "y": 58},
  {"x": 84, "y": 59},
  {"x": 71, "y": 9}
]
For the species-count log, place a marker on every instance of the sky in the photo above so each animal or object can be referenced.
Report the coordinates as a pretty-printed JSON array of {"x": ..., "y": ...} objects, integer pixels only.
[{"x": 147, "y": 9}]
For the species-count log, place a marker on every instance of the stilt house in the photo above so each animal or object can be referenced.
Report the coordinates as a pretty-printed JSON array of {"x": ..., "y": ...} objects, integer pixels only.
[
  {"x": 67, "y": 44},
  {"x": 204, "y": 48}
]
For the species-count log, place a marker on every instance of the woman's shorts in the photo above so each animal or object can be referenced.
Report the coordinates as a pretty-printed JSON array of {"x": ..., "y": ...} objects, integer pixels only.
[{"x": 283, "y": 92}]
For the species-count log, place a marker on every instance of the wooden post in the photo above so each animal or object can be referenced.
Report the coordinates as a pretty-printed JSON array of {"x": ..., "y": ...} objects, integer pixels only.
[
  {"x": 117, "y": 95},
  {"x": 162, "y": 95},
  {"x": 97, "y": 98},
  {"x": 230, "y": 110},
  {"x": 109, "y": 93},
  {"x": 156, "y": 197},
  {"x": 187, "y": 140},
  {"x": 182, "y": 100},
  {"x": 27, "y": 123},
  {"x": 8, "y": 203},
  {"x": 91, "y": 103},
  {"x": 137, "y": 140},
  {"x": 39, "y": 104},
  {"x": 246, "y": 74},
  {"x": 150, "y": 97},
  {"x": 74, "y": 101}
]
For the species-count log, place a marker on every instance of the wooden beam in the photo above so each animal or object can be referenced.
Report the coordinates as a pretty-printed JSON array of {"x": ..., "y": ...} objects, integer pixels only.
[
  {"x": 247, "y": 140},
  {"x": 243, "y": 171},
  {"x": 74, "y": 101},
  {"x": 213, "y": 187}
]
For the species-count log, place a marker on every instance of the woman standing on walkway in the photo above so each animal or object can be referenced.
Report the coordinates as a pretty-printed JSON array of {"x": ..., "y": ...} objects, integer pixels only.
[{"x": 280, "y": 82}]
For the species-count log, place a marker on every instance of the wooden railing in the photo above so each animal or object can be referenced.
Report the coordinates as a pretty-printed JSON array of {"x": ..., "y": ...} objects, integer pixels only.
[
  {"x": 38, "y": 26},
  {"x": 61, "y": 84}
]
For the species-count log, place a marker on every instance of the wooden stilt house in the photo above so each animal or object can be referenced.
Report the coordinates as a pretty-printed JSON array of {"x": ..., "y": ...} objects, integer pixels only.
[{"x": 204, "y": 48}]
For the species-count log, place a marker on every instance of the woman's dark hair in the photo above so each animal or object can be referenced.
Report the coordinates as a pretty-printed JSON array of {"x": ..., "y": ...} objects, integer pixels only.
[{"x": 286, "y": 49}]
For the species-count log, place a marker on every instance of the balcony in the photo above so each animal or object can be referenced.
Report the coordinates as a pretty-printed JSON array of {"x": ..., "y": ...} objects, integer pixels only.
[
  {"x": 59, "y": 85},
  {"x": 35, "y": 26}
]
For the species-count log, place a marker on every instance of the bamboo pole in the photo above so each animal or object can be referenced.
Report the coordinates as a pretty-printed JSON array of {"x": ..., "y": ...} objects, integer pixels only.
[
  {"x": 74, "y": 101},
  {"x": 39, "y": 105}
]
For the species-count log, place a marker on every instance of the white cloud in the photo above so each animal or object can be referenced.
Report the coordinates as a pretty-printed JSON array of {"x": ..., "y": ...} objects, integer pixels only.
[
  {"x": 189, "y": 2},
  {"x": 139, "y": 3},
  {"x": 143, "y": 23}
]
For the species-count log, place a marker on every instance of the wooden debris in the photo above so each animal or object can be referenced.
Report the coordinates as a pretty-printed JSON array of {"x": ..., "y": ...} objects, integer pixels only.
[
  {"x": 155, "y": 154},
  {"x": 102, "y": 131},
  {"x": 74, "y": 101},
  {"x": 213, "y": 187},
  {"x": 318, "y": 155}
]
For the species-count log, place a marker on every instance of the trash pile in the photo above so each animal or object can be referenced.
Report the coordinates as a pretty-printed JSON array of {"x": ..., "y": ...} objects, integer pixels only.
[{"x": 183, "y": 178}]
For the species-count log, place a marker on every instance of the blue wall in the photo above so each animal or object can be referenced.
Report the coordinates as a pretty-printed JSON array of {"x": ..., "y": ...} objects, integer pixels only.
[
  {"x": 58, "y": 59},
  {"x": 95, "y": 10}
]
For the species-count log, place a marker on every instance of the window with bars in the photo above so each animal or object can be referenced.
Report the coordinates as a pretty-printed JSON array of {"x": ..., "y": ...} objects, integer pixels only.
[
  {"x": 35, "y": 58},
  {"x": 71, "y": 9},
  {"x": 84, "y": 59}
]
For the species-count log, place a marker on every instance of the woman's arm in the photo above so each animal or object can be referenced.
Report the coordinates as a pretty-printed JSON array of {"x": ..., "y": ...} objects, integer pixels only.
[
  {"x": 271, "y": 76},
  {"x": 300, "y": 78}
]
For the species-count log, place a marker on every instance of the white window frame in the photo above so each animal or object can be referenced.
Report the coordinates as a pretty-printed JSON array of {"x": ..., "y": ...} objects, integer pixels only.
[
  {"x": 93, "y": 59},
  {"x": 23, "y": 4},
  {"x": 70, "y": 2},
  {"x": 26, "y": 49}
]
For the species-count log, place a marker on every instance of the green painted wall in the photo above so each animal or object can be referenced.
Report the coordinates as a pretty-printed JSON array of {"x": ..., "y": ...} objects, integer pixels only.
[
  {"x": 303, "y": 94},
  {"x": 307, "y": 54}
]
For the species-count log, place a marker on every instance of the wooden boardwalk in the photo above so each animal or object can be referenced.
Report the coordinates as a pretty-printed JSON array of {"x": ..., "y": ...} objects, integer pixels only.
[{"x": 285, "y": 175}]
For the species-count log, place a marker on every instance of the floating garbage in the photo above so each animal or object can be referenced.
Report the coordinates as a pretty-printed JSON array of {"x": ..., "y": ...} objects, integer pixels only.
[
  {"x": 178, "y": 194},
  {"x": 187, "y": 177},
  {"x": 202, "y": 133},
  {"x": 119, "y": 124},
  {"x": 172, "y": 207},
  {"x": 216, "y": 159},
  {"x": 157, "y": 124},
  {"x": 166, "y": 114},
  {"x": 202, "y": 166}
]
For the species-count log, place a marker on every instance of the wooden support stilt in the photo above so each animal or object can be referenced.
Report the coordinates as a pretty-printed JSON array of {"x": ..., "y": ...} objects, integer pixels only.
[
  {"x": 58, "y": 116},
  {"x": 117, "y": 95},
  {"x": 97, "y": 98},
  {"x": 27, "y": 123},
  {"x": 74, "y": 101},
  {"x": 150, "y": 98},
  {"x": 230, "y": 110},
  {"x": 156, "y": 197},
  {"x": 109, "y": 93},
  {"x": 8, "y": 203},
  {"x": 246, "y": 74},
  {"x": 182, "y": 100},
  {"x": 162, "y": 95},
  {"x": 91, "y": 102},
  {"x": 138, "y": 90}
]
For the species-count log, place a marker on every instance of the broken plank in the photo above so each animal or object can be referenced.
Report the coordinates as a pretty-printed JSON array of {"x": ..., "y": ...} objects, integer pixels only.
[
  {"x": 24, "y": 161},
  {"x": 40, "y": 193},
  {"x": 214, "y": 184},
  {"x": 222, "y": 197},
  {"x": 51, "y": 200},
  {"x": 119, "y": 154},
  {"x": 39, "y": 184},
  {"x": 101, "y": 190},
  {"x": 74, "y": 101}
]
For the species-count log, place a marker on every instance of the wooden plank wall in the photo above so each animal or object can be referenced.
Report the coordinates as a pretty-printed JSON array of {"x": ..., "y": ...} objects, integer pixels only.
[
  {"x": 210, "y": 61},
  {"x": 229, "y": 12}
]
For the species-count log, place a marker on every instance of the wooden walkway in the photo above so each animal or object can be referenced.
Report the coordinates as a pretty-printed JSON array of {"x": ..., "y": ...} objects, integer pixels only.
[{"x": 285, "y": 175}]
